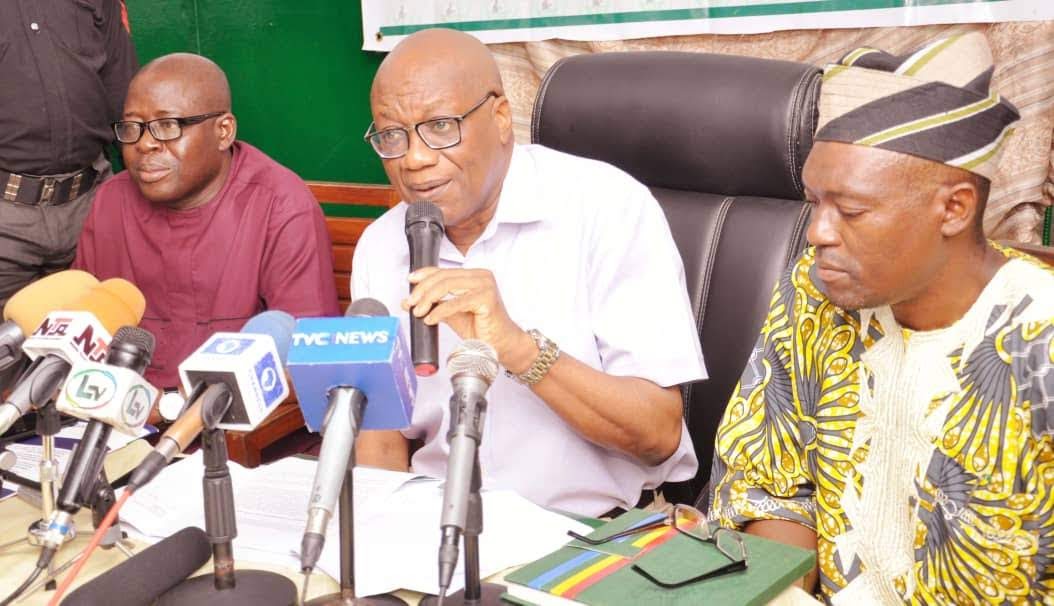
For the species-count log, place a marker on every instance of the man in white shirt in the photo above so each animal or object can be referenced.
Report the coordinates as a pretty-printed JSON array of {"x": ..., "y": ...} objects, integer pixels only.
[{"x": 572, "y": 249}]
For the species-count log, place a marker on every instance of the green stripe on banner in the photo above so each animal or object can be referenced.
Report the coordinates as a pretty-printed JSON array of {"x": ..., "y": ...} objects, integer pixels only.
[
  {"x": 681, "y": 14},
  {"x": 352, "y": 211},
  {"x": 1048, "y": 218}
]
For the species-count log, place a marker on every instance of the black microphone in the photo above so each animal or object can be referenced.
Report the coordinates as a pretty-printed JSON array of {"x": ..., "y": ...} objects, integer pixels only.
[
  {"x": 107, "y": 395},
  {"x": 424, "y": 232},
  {"x": 142, "y": 578},
  {"x": 131, "y": 348}
]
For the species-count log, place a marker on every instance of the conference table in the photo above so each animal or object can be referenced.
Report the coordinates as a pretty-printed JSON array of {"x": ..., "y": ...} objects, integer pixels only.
[{"x": 17, "y": 562}]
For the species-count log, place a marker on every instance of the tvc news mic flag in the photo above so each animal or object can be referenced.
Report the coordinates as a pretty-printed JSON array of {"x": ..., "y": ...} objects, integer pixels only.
[{"x": 367, "y": 353}]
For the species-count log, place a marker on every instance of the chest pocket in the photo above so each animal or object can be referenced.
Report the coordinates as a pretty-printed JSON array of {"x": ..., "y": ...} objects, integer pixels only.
[
  {"x": 78, "y": 25},
  {"x": 161, "y": 329}
]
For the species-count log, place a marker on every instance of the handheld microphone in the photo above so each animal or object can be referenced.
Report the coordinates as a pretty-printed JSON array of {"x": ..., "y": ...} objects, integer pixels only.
[
  {"x": 64, "y": 337},
  {"x": 151, "y": 572},
  {"x": 107, "y": 395},
  {"x": 472, "y": 368},
  {"x": 343, "y": 419},
  {"x": 26, "y": 309},
  {"x": 424, "y": 232},
  {"x": 242, "y": 371}
]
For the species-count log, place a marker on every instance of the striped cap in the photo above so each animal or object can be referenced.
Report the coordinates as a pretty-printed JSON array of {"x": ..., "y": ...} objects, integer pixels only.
[{"x": 933, "y": 103}]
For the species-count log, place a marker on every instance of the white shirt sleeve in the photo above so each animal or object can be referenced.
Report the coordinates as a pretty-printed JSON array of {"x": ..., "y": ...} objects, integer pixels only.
[
  {"x": 360, "y": 282},
  {"x": 642, "y": 317}
]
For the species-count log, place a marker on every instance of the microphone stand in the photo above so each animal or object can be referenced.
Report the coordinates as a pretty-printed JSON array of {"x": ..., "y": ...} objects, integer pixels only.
[
  {"x": 467, "y": 414},
  {"x": 346, "y": 596},
  {"x": 224, "y": 586},
  {"x": 100, "y": 498},
  {"x": 475, "y": 592},
  {"x": 48, "y": 424}
]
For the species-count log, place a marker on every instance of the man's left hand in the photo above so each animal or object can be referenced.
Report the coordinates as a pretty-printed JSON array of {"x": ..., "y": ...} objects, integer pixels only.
[{"x": 468, "y": 301}]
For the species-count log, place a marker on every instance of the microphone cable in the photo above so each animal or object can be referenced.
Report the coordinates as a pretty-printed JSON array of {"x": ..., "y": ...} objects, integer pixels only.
[
  {"x": 95, "y": 540},
  {"x": 42, "y": 565}
]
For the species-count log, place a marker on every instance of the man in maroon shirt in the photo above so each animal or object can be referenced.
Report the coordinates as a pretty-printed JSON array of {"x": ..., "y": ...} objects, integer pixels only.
[{"x": 211, "y": 229}]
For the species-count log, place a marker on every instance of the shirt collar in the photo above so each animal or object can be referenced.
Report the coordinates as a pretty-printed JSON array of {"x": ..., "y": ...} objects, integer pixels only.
[{"x": 522, "y": 200}]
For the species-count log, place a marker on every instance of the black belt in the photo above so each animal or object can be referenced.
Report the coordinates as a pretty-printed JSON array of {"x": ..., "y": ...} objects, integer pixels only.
[{"x": 35, "y": 190}]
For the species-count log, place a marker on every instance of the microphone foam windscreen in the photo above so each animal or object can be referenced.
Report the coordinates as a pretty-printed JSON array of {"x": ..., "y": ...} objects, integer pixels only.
[
  {"x": 366, "y": 307},
  {"x": 114, "y": 303},
  {"x": 278, "y": 325},
  {"x": 133, "y": 335},
  {"x": 474, "y": 357},
  {"x": 424, "y": 211},
  {"x": 29, "y": 306},
  {"x": 151, "y": 572}
]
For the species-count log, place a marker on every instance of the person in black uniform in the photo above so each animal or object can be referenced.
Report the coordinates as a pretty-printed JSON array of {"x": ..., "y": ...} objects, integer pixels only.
[{"x": 64, "y": 71}]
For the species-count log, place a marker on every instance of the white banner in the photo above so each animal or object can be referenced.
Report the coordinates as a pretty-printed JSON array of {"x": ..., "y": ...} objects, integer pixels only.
[{"x": 385, "y": 22}]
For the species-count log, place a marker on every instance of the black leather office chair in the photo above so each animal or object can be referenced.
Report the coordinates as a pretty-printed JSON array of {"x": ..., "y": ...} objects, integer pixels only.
[{"x": 721, "y": 141}]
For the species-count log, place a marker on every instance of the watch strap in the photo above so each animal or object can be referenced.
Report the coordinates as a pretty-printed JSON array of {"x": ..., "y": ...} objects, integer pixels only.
[{"x": 548, "y": 352}]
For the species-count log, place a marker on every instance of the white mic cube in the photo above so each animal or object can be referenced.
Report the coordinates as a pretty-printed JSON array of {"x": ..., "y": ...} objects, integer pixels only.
[
  {"x": 249, "y": 365},
  {"x": 117, "y": 396},
  {"x": 72, "y": 335}
]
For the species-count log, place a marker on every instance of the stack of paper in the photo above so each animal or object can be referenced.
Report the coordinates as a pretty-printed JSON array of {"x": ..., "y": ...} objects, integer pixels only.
[{"x": 396, "y": 522}]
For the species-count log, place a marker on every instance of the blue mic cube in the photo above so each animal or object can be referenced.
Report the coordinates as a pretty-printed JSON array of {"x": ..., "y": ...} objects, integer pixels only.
[{"x": 367, "y": 353}]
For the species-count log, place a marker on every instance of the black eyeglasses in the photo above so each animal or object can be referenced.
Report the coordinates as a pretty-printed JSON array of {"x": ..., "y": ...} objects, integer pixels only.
[
  {"x": 691, "y": 522},
  {"x": 162, "y": 129},
  {"x": 440, "y": 132}
]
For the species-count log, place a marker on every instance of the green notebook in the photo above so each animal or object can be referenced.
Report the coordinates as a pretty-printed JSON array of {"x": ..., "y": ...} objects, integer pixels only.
[{"x": 603, "y": 575}]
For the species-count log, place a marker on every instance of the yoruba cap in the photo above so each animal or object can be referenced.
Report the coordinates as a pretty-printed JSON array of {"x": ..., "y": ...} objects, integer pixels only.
[{"x": 933, "y": 103}]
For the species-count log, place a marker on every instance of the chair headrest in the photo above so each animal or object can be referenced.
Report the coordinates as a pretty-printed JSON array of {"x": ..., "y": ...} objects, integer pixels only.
[{"x": 721, "y": 124}]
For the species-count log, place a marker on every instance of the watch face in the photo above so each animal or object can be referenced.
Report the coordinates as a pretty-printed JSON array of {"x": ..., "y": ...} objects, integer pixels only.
[
  {"x": 171, "y": 405},
  {"x": 539, "y": 339}
]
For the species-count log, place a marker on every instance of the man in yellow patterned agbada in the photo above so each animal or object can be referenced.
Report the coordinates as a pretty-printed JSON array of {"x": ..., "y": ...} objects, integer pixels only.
[{"x": 897, "y": 412}]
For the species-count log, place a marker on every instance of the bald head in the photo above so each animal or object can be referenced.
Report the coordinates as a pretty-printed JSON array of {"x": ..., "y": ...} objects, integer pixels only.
[
  {"x": 445, "y": 80},
  {"x": 453, "y": 59},
  {"x": 182, "y": 159},
  {"x": 194, "y": 73}
]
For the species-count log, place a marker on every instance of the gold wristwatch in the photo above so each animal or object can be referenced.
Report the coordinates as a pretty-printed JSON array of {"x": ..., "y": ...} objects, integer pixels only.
[{"x": 548, "y": 352}]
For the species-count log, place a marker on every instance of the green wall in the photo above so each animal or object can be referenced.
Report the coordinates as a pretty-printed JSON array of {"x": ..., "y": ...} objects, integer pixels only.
[{"x": 299, "y": 78}]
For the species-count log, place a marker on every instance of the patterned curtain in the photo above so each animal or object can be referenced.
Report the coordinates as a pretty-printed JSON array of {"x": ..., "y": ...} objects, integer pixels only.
[{"x": 1024, "y": 73}]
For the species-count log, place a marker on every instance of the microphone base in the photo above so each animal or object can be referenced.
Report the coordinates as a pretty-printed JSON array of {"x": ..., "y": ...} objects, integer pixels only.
[
  {"x": 489, "y": 595},
  {"x": 339, "y": 599},
  {"x": 257, "y": 587},
  {"x": 38, "y": 530}
]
